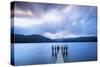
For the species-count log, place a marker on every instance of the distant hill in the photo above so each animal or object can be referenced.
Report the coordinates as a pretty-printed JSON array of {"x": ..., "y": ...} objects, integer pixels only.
[
  {"x": 78, "y": 39},
  {"x": 39, "y": 38},
  {"x": 29, "y": 38}
]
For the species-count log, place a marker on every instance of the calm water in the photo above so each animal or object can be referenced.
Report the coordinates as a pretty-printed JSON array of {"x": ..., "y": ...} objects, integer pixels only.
[{"x": 41, "y": 53}]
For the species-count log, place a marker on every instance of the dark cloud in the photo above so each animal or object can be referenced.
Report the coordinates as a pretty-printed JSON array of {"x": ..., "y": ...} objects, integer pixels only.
[{"x": 54, "y": 19}]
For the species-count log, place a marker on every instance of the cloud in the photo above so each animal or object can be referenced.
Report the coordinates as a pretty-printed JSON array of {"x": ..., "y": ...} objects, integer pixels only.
[
  {"x": 55, "y": 21},
  {"x": 60, "y": 34},
  {"x": 52, "y": 16},
  {"x": 26, "y": 22},
  {"x": 64, "y": 34},
  {"x": 18, "y": 12}
]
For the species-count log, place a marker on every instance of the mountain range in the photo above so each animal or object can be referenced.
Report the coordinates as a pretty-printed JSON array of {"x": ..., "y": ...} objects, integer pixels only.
[{"x": 36, "y": 38}]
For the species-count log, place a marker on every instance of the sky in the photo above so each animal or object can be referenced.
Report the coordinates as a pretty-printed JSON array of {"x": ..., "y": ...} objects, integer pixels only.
[{"x": 54, "y": 20}]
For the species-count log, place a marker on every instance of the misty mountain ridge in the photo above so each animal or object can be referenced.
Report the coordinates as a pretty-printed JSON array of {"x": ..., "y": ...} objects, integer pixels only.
[{"x": 36, "y": 38}]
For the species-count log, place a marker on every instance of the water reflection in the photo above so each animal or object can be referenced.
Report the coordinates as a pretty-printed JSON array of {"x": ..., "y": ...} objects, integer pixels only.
[
  {"x": 45, "y": 53},
  {"x": 59, "y": 48},
  {"x": 64, "y": 50}
]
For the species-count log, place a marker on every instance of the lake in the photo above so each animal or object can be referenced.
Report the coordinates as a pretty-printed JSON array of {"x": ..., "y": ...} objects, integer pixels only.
[{"x": 41, "y": 53}]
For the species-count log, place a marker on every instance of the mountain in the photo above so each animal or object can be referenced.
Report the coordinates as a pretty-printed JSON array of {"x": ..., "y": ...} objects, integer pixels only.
[
  {"x": 29, "y": 38},
  {"x": 18, "y": 38},
  {"x": 78, "y": 39}
]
